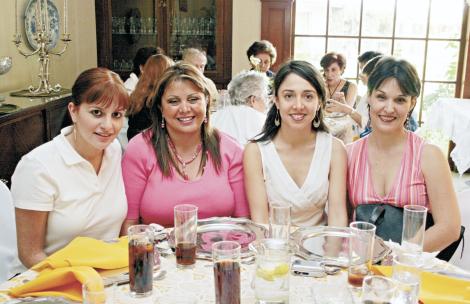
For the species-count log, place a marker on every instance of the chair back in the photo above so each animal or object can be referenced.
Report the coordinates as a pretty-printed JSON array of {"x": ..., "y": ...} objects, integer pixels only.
[{"x": 8, "y": 248}]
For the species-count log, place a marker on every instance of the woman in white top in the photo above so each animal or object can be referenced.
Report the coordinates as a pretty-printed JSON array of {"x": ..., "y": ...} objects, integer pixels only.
[
  {"x": 72, "y": 186},
  {"x": 295, "y": 160},
  {"x": 243, "y": 119}
]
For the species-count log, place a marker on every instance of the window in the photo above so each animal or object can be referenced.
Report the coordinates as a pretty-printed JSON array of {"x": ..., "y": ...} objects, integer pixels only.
[{"x": 427, "y": 33}]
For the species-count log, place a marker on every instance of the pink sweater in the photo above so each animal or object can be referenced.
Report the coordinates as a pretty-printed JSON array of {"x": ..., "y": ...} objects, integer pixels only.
[
  {"x": 409, "y": 187},
  {"x": 151, "y": 197}
]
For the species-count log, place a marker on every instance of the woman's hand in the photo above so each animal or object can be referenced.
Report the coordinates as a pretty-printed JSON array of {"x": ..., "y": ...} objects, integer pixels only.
[{"x": 333, "y": 105}]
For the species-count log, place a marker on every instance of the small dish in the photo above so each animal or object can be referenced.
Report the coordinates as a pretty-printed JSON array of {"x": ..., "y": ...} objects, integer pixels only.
[{"x": 31, "y": 27}]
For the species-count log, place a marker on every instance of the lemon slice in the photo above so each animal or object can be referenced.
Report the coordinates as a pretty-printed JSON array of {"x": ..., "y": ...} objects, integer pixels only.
[
  {"x": 266, "y": 274},
  {"x": 281, "y": 269}
]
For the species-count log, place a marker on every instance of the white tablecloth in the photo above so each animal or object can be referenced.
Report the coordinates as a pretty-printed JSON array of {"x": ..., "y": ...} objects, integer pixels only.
[{"x": 452, "y": 117}]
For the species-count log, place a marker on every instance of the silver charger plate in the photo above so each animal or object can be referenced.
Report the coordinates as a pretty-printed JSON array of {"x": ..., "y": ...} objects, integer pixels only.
[
  {"x": 30, "y": 25},
  {"x": 216, "y": 229},
  {"x": 330, "y": 244}
]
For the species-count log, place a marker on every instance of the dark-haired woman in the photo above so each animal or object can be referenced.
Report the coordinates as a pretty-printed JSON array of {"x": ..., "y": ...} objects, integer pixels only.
[
  {"x": 181, "y": 158},
  {"x": 395, "y": 166},
  {"x": 295, "y": 160},
  {"x": 72, "y": 186}
]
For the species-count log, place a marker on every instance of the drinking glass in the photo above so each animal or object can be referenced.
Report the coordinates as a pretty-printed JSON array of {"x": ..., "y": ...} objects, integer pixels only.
[
  {"x": 279, "y": 220},
  {"x": 92, "y": 295},
  {"x": 271, "y": 282},
  {"x": 414, "y": 225},
  {"x": 226, "y": 258},
  {"x": 378, "y": 289},
  {"x": 141, "y": 260},
  {"x": 361, "y": 245},
  {"x": 185, "y": 235},
  {"x": 407, "y": 274}
]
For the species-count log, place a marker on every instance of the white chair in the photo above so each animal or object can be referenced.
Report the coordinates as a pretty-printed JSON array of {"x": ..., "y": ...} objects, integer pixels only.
[
  {"x": 8, "y": 248},
  {"x": 463, "y": 198}
]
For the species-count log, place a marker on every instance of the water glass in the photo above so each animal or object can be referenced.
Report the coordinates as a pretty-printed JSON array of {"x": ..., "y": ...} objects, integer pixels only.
[
  {"x": 185, "y": 235},
  {"x": 271, "y": 282},
  {"x": 141, "y": 260},
  {"x": 226, "y": 258},
  {"x": 93, "y": 295},
  {"x": 414, "y": 225},
  {"x": 378, "y": 289},
  {"x": 361, "y": 245},
  {"x": 279, "y": 220},
  {"x": 407, "y": 274}
]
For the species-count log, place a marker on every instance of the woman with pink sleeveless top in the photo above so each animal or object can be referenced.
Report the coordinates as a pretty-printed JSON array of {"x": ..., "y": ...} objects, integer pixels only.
[{"x": 394, "y": 166}]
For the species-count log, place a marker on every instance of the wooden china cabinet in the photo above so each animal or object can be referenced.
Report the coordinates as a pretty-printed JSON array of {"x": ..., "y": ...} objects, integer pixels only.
[{"x": 124, "y": 26}]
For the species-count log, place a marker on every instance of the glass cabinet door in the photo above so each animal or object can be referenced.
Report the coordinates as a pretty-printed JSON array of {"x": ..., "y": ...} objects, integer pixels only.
[{"x": 193, "y": 24}]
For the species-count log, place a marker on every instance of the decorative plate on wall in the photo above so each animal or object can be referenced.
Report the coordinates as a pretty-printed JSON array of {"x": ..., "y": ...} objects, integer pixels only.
[{"x": 31, "y": 26}]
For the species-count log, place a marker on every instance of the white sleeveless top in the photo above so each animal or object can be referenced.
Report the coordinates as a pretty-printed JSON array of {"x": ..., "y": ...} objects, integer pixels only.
[{"x": 309, "y": 201}]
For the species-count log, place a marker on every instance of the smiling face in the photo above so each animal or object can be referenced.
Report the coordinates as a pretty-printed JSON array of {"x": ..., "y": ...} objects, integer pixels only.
[
  {"x": 298, "y": 102},
  {"x": 96, "y": 126},
  {"x": 184, "y": 107},
  {"x": 389, "y": 107},
  {"x": 333, "y": 74}
]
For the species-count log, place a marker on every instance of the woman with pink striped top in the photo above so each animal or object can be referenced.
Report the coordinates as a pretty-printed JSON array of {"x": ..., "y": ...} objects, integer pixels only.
[{"x": 394, "y": 166}]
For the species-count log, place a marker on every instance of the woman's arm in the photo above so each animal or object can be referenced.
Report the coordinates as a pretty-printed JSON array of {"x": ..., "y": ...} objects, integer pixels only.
[
  {"x": 31, "y": 229},
  {"x": 126, "y": 225},
  {"x": 337, "y": 214},
  {"x": 351, "y": 95},
  {"x": 337, "y": 106},
  {"x": 254, "y": 183},
  {"x": 443, "y": 200}
]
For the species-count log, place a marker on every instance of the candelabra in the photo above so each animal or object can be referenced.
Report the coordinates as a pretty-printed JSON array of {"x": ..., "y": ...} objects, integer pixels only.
[{"x": 43, "y": 39}]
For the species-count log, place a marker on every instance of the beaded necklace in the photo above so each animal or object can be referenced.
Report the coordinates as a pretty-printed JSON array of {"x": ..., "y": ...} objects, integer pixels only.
[
  {"x": 329, "y": 91},
  {"x": 180, "y": 159}
]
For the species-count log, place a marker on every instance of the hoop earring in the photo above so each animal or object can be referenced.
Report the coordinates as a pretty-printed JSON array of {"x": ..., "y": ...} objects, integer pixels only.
[
  {"x": 162, "y": 125},
  {"x": 316, "y": 121},
  {"x": 277, "y": 120}
]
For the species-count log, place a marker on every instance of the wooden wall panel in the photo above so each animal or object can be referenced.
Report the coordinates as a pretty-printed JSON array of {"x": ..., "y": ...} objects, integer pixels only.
[{"x": 277, "y": 27}]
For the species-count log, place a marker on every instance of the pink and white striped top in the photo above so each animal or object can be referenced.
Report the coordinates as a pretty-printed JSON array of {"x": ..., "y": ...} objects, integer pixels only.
[{"x": 409, "y": 187}]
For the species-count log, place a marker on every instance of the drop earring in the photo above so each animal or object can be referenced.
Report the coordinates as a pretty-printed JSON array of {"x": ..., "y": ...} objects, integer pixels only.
[
  {"x": 277, "y": 120},
  {"x": 74, "y": 131},
  {"x": 205, "y": 119},
  {"x": 163, "y": 123},
  {"x": 316, "y": 121}
]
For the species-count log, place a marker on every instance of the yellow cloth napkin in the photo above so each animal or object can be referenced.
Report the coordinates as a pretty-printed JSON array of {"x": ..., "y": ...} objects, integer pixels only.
[
  {"x": 84, "y": 251},
  {"x": 65, "y": 282},
  {"x": 435, "y": 288}
]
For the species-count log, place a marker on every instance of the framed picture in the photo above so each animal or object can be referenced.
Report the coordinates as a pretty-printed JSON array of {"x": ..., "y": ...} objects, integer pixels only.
[{"x": 183, "y": 5}]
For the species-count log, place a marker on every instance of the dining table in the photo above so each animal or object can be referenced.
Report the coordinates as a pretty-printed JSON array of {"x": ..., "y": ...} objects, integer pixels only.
[{"x": 196, "y": 285}]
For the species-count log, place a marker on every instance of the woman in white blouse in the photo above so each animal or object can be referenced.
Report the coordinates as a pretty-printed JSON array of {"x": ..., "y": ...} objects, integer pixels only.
[{"x": 72, "y": 186}]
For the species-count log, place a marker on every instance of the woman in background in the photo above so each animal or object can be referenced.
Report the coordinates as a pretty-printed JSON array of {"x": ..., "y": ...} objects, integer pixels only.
[
  {"x": 181, "y": 158},
  {"x": 416, "y": 173},
  {"x": 142, "y": 97},
  {"x": 265, "y": 54},
  {"x": 72, "y": 186},
  {"x": 295, "y": 160}
]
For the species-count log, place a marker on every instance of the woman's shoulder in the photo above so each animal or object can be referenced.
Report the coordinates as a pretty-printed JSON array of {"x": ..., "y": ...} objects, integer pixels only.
[{"x": 227, "y": 142}]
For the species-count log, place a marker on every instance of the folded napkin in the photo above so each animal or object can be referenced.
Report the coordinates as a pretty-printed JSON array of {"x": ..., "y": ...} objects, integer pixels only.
[
  {"x": 61, "y": 282},
  {"x": 64, "y": 272},
  {"x": 436, "y": 288},
  {"x": 84, "y": 251}
]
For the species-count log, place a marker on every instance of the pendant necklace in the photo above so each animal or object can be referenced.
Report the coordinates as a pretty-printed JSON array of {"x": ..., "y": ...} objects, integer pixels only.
[
  {"x": 180, "y": 159},
  {"x": 329, "y": 91}
]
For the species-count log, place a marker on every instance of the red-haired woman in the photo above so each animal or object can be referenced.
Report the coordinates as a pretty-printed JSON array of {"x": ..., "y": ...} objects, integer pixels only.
[{"x": 72, "y": 186}]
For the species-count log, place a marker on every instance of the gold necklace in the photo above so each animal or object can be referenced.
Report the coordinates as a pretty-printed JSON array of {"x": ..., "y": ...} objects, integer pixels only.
[{"x": 180, "y": 159}]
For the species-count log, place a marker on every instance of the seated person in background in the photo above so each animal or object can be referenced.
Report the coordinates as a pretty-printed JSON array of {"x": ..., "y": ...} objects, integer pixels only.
[
  {"x": 72, "y": 186},
  {"x": 266, "y": 55},
  {"x": 181, "y": 158},
  {"x": 416, "y": 173},
  {"x": 340, "y": 97},
  {"x": 140, "y": 59},
  {"x": 245, "y": 117},
  {"x": 295, "y": 160},
  {"x": 195, "y": 57},
  {"x": 142, "y": 98}
]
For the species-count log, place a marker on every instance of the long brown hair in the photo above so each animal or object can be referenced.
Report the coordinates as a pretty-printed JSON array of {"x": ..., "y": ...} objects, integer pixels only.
[
  {"x": 158, "y": 136},
  {"x": 145, "y": 88}
]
